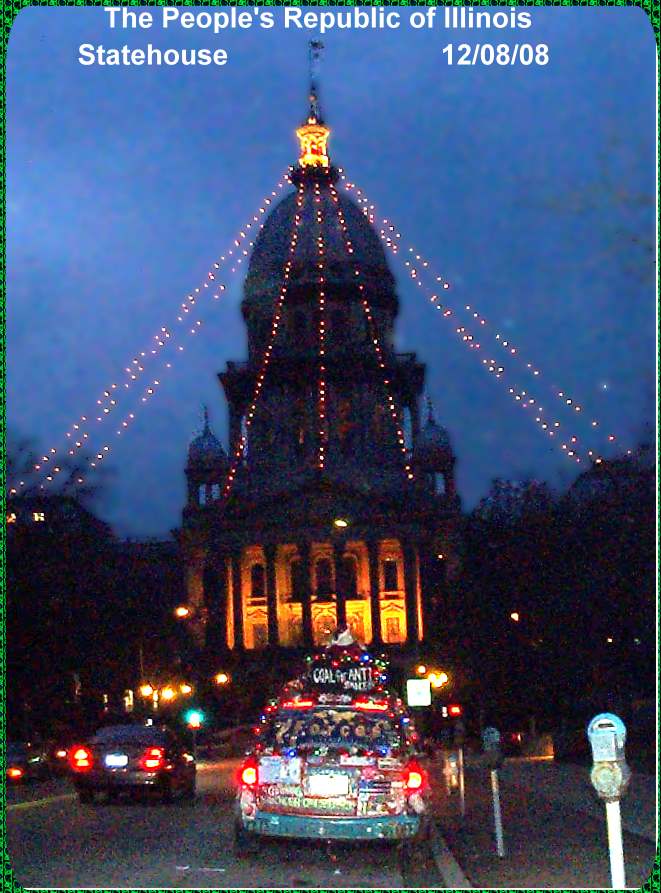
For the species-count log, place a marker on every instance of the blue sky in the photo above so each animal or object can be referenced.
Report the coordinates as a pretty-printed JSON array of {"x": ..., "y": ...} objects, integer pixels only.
[{"x": 530, "y": 189}]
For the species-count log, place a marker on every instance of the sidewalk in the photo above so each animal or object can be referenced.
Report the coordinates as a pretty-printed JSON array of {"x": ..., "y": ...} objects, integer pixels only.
[{"x": 548, "y": 842}]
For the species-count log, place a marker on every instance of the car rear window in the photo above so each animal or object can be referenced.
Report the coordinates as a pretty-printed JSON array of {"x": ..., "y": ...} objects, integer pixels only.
[
  {"x": 335, "y": 727},
  {"x": 129, "y": 734}
]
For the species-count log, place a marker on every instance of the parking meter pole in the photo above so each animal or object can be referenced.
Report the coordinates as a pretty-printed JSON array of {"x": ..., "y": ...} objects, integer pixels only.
[
  {"x": 462, "y": 791},
  {"x": 497, "y": 818},
  {"x": 616, "y": 852}
]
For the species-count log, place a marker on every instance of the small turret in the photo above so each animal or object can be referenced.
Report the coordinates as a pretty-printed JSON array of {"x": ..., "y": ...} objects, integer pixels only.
[{"x": 207, "y": 466}]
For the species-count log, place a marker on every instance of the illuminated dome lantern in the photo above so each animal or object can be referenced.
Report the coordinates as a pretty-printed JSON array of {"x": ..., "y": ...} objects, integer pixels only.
[{"x": 324, "y": 424}]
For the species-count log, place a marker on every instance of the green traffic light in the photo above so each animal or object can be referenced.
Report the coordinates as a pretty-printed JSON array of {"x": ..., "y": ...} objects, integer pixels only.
[{"x": 194, "y": 718}]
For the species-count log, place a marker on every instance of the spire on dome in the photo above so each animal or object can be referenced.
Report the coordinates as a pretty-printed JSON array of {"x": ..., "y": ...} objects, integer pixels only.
[{"x": 313, "y": 134}]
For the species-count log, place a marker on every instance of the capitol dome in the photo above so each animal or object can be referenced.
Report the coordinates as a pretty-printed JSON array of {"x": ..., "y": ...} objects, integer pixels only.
[{"x": 272, "y": 249}]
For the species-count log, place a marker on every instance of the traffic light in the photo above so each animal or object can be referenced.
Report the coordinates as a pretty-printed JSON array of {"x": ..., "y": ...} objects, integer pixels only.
[
  {"x": 454, "y": 710},
  {"x": 194, "y": 718}
]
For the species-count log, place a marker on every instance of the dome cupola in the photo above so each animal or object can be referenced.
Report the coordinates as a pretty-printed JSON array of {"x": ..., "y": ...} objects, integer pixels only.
[
  {"x": 206, "y": 449},
  {"x": 433, "y": 450}
]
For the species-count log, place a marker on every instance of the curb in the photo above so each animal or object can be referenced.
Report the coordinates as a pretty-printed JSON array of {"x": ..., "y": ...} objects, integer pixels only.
[{"x": 450, "y": 870}]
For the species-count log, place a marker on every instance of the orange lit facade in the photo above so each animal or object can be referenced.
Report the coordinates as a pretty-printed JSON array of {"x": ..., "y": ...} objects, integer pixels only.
[{"x": 299, "y": 546}]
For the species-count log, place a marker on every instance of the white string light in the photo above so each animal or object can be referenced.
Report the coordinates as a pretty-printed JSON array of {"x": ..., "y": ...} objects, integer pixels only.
[
  {"x": 108, "y": 402},
  {"x": 392, "y": 241},
  {"x": 374, "y": 333},
  {"x": 520, "y": 396},
  {"x": 323, "y": 423},
  {"x": 277, "y": 313}
]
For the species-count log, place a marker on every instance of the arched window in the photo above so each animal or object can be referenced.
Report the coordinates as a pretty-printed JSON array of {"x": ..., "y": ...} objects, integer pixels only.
[
  {"x": 350, "y": 576},
  {"x": 407, "y": 426},
  {"x": 215, "y": 491},
  {"x": 244, "y": 436},
  {"x": 439, "y": 482},
  {"x": 390, "y": 580},
  {"x": 324, "y": 575},
  {"x": 202, "y": 494},
  {"x": 298, "y": 583},
  {"x": 257, "y": 581}
]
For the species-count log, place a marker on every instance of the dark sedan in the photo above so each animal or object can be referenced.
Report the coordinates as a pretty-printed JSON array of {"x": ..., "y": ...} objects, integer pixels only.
[{"x": 131, "y": 759}]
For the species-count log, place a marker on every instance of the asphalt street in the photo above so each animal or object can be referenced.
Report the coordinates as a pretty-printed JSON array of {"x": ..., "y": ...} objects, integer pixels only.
[{"x": 54, "y": 841}]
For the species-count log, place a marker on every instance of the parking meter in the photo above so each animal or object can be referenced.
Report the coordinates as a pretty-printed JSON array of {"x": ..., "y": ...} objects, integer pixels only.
[
  {"x": 491, "y": 747},
  {"x": 610, "y": 773}
]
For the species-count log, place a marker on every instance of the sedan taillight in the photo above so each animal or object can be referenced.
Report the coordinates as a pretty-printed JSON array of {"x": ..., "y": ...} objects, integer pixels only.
[
  {"x": 14, "y": 772},
  {"x": 153, "y": 759},
  {"x": 80, "y": 758}
]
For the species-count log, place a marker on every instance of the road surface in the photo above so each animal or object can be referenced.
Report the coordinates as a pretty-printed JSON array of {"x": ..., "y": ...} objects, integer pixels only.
[{"x": 54, "y": 841}]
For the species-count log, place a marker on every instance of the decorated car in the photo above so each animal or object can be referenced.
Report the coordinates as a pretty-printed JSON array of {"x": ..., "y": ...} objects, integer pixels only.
[{"x": 334, "y": 757}]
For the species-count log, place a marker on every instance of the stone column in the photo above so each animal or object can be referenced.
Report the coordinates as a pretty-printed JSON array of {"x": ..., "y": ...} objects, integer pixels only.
[
  {"x": 239, "y": 642},
  {"x": 305, "y": 550},
  {"x": 271, "y": 595},
  {"x": 410, "y": 592},
  {"x": 375, "y": 604},
  {"x": 340, "y": 584}
]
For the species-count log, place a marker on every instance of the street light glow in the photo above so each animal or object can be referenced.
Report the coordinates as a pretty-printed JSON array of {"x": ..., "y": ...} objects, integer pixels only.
[
  {"x": 421, "y": 669},
  {"x": 181, "y": 611},
  {"x": 221, "y": 678},
  {"x": 515, "y": 616},
  {"x": 438, "y": 678},
  {"x": 185, "y": 688},
  {"x": 341, "y": 523},
  {"x": 168, "y": 693},
  {"x": 146, "y": 690}
]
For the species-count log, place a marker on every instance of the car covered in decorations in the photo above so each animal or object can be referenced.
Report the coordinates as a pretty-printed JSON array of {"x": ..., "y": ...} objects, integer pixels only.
[{"x": 335, "y": 758}]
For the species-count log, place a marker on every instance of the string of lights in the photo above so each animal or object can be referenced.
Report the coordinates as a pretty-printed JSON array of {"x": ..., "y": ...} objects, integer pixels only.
[
  {"x": 323, "y": 424},
  {"x": 392, "y": 238},
  {"x": 524, "y": 398},
  {"x": 107, "y": 403},
  {"x": 372, "y": 328},
  {"x": 266, "y": 358}
]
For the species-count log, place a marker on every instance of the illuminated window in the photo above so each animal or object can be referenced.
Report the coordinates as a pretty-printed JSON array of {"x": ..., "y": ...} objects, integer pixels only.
[
  {"x": 350, "y": 574},
  {"x": 202, "y": 494},
  {"x": 390, "y": 575},
  {"x": 215, "y": 491},
  {"x": 38, "y": 516},
  {"x": 324, "y": 574},
  {"x": 11, "y": 518},
  {"x": 257, "y": 581}
]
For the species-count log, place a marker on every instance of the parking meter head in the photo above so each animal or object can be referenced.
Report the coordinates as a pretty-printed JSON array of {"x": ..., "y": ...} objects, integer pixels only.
[
  {"x": 610, "y": 779},
  {"x": 607, "y": 735},
  {"x": 491, "y": 747}
]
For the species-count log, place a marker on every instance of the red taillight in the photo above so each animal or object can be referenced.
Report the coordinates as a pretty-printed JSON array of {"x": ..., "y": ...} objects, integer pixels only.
[
  {"x": 415, "y": 778},
  {"x": 248, "y": 773},
  {"x": 454, "y": 710},
  {"x": 81, "y": 758},
  {"x": 377, "y": 706},
  {"x": 297, "y": 704},
  {"x": 14, "y": 772},
  {"x": 153, "y": 759}
]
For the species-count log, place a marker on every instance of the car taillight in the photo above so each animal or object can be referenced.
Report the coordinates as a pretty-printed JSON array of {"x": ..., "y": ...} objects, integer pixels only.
[
  {"x": 153, "y": 759},
  {"x": 377, "y": 706},
  {"x": 298, "y": 704},
  {"x": 81, "y": 758},
  {"x": 415, "y": 778},
  {"x": 61, "y": 754},
  {"x": 14, "y": 772},
  {"x": 248, "y": 773}
]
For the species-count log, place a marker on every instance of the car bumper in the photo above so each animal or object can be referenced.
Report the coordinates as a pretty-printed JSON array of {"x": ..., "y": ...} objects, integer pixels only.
[
  {"x": 115, "y": 781},
  {"x": 396, "y": 827}
]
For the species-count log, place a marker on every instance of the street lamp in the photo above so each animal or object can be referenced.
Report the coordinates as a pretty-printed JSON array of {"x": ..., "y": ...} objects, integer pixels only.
[
  {"x": 146, "y": 690},
  {"x": 168, "y": 694},
  {"x": 515, "y": 616},
  {"x": 421, "y": 669},
  {"x": 221, "y": 678},
  {"x": 438, "y": 679},
  {"x": 182, "y": 611},
  {"x": 185, "y": 688},
  {"x": 340, "y": 523}
]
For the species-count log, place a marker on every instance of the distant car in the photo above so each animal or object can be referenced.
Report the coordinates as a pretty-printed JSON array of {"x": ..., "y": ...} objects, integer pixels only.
[
  {"x": 27, "y": 761},
  {"x": 131, "y": 759}
]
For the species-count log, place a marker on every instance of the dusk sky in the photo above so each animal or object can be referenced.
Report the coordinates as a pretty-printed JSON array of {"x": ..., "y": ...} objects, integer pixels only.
[{"x": 531, "y": 189}]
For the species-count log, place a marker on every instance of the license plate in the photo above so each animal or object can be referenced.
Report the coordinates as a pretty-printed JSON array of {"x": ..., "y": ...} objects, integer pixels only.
[
  {"x": 328, "y": 785},
  {"x": 116, "y": 760}
]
